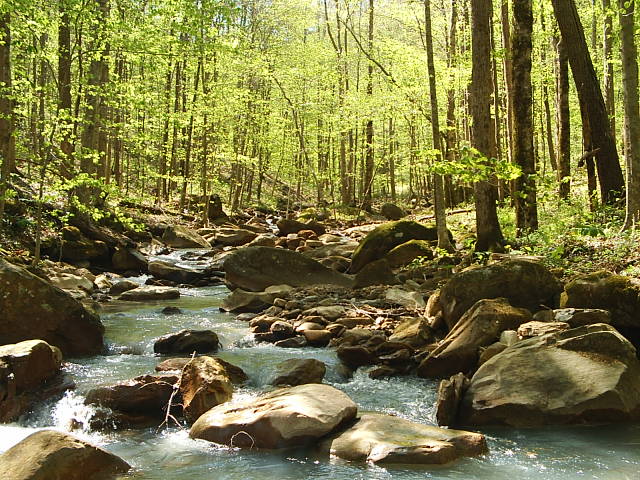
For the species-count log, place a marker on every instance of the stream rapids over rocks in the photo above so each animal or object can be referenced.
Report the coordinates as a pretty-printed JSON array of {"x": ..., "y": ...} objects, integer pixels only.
[{"x": 589, "y": 452}]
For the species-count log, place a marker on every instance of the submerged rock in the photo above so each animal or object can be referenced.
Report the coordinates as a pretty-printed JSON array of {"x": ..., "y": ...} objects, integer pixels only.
[
  {"x": 187, "y": 341},
  {"x": 385, "y": 439},
  {"x": 298, "y": 371},
  {"x": 32, "y": 308},
  {"x": 524, "y": 284},
  {"x": 288, "y": 417},
  {"x": 479, "y": 327},
  {"x": 387, "y": 236},
  {"x": 256, "y": 268},
  {"x": 587, "y": 374},
  {"x": 52, "y": 455}
]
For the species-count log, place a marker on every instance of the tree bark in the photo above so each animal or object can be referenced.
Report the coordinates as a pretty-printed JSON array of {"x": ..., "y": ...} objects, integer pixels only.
[
  {"x": 631, "y": 110},
  {"x": 521, "y": 46},
  {"x": 483, "y": 136},
  {"x": 564, "y": 120},
  {"x": 590, "y": 94},
  {"x": 369, "y": 153},
  {"x": 7, "y": 139},
  {"x": 609, "y": 91}
]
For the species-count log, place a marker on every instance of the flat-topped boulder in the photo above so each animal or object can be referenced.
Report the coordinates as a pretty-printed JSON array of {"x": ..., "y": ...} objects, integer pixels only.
[
  {"x": 288, "y": 417},
  {"x": 385, "y": 439},
  {"x": 32, "y": 308},
  {"x": 586, "y": 374},
  {"x": 187, "y": 341},
  {"x": 52, "y": 455},
  {"x": 524, "y": 284},
  {"x": 149, "y": 292},
  {"x": 177, "y": 236},
  {"x": 256, "y": 268}
]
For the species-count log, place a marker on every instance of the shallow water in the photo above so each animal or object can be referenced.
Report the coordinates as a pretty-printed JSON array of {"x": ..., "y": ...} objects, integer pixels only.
[{"x": 611, "y": 452}]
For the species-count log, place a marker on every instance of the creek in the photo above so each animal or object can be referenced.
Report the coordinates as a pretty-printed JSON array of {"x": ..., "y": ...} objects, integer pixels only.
[{"x": 580, "y": 452}]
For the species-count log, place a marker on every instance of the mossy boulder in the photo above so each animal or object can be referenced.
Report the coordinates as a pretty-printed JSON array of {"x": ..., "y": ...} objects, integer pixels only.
[
  {"x": 524, "y": 284},
  {"x": 407, "y": 252},
  {"x": 386, "y": 237},
  {"x": 605, "y": 290}
]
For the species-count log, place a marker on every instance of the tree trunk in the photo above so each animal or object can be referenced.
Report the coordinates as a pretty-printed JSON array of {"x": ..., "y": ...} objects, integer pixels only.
[
  {"x": 588, "y": 87},
  {"x": 609, "y": 92},
  {"x": 523, "y": 155},
  {"x": 438, "y": 183},
  {"x": 369, "y": 153},
  {"x": 564, "y": 120},
  {"x": 483, "y": 137},
  {"x": 631, "y": 110},
  {"x": 7, "y": 139}
]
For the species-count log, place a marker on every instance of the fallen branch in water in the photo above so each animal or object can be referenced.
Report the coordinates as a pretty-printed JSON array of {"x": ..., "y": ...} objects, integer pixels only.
[{"x": 176, "y": 389}]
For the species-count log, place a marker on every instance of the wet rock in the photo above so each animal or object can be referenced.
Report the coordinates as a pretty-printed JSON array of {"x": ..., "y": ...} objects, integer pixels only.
[
  {"x": 187, "y": 341},
  {"x": 129, "y": 260},
  {"x": 405, "y": 253},
  {"x": 618, "y": 294},
  {"x": 235, "y": 373},
  {"x": 386, "y": 439},
  {"x": 205, "y": 383},
  {"x": 391, "y": 211},
  {"x": 356, "y": 356},
  {"x": 177, "y": 236},
  {"x": 479, "y": 327},
  {"x": 170, "y": 271},
  {"x": 281, "y": 329},
  {"x": 535, "y": 329},
  {"x": 413, "y": 331},
  {"x": 103, "y": 281},
  {"x": 524, "y": 284},
  {"x": 171, "y": 311},
  {"x": 242, "y": 301},
  {"x": 287, "y": 226},
  {"x": 288, "y": 417},
  {"x": 293, "y": 342},
  {"x": 586, "y": 374},
  {"x": 51, "y": 455},
  {"x": 578, "y": 317},
  {"x": 25, "y": 367},
  {"x": 357, "y": 336},
  {"x": 450, "y": 393},
  {"x": 298, "y": 371},
  {"x": 256, "y": 268},
  {"x": 146, "y": 395},
  {"x": 149, "y": 293},
  {"x": 386, "y": 237},
  {"x": 375, "y": 273},
  {"x": 32, "y": 308},
  {"x": 122, "y": 286}
]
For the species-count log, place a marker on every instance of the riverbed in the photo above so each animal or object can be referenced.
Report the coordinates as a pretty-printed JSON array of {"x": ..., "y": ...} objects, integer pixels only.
[{"x": 580, "y": 452}]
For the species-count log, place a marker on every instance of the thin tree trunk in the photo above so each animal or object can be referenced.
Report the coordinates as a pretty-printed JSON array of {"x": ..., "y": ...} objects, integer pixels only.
[
  {"x": 7, "y": 140},
  {"x": 609, "y": 91},
  {"x": 369, "y": 153},
  {"x": 564, "y": 120}
]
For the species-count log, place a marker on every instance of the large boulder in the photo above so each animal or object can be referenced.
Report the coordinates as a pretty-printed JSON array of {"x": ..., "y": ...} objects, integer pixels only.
[
  {"x": 414, "y": 331},
  {"x": 587, "y": 374},
  {"x": 187, "y": 341},
  {"x": 386, "y": 439},
  {"x": 256, "y": 268},
  {"x": 205, "y": 383},
  {"x": 148, "y": 293},
  {"x": 479, "y": 327},
  {"x": 340, "y": 249},
  {"x": 24, "y": 368},
  {"x": 177, "y": 236},
  {"x": 234, "y": 237},
  {"x": 377, "y": 272},
  {"x": 51, "y": 455},
  {"x": 147, "y": 395},
  {"x": 407, "y": 252},
  {"x": 605, "y": 290},
  {"x": 524, "y": 284},
  {"x": 298, "y": 371},
  {"x": 391, "y": 211},
  {"x": 75, "y": 247},
  {"x": 386, "y": 237},
  {"x": 288, "y": 226},
  {"x": 288, "y": 417},
  {"x": 171, "y": 271},
  {"x": 129, "y": 260},
  {"x": 32, "y": 308}
]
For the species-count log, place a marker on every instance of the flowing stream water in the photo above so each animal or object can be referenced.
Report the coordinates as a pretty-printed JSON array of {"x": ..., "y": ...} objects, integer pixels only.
[{"x": 600, "y": 452}]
